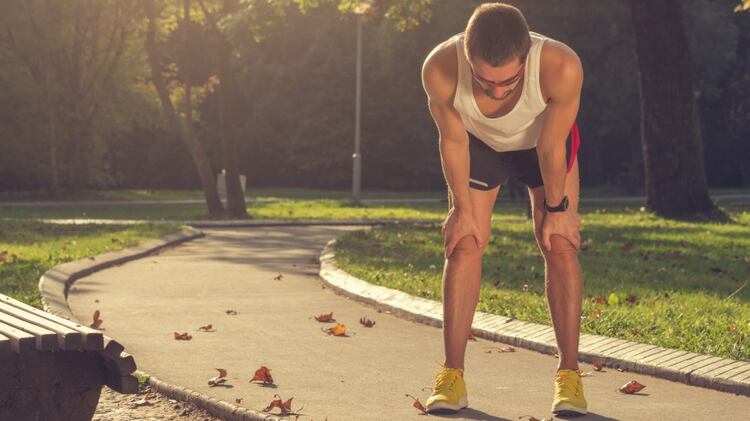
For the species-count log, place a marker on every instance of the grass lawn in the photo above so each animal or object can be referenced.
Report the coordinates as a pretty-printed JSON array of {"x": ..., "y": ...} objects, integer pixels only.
[
  {"x": 686, "y": 278},
  {"x": 28, "y": 249}
]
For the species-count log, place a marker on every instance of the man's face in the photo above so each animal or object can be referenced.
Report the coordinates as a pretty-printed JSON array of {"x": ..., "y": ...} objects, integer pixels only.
[{"x": 497, "y": 82}]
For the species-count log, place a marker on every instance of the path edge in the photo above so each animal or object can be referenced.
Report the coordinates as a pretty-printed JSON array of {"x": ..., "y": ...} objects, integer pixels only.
[
  {"x": 722, "y": 374},
  {"x": 57, "y": 281}
]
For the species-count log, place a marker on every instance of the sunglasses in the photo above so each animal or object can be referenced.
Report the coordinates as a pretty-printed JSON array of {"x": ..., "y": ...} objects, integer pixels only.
[{"x": 500, "y": 84}]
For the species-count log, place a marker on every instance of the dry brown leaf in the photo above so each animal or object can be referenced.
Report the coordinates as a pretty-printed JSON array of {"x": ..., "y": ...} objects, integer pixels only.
[
  {"x": 182, "y": 336},
  {"x": 366, "y": 322},
  {"x": 97, "y": 321},
  {"x": 218, "y": 379},
  {"x": 207, "y": 328},
  {"x": 278, "y": 277},
  {"x": 325, "y": 318},
  {"x": 599, "y": 300},
  {"x": 628, "y": 245},
  {"x": 231, "y": 312},
  {"x": 417, "y": 404},
  {"x": 263, "y": 374},
  {"x": 285, "y": 407},
  {"x": 631, "y": 387}
]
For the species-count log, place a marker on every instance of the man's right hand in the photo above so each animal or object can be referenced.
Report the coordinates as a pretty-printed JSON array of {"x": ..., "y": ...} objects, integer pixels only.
[{"x": 458, "y": 225}]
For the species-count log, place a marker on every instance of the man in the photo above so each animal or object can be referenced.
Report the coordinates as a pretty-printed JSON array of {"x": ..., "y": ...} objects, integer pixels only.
[{"x": 504, "y": 100}]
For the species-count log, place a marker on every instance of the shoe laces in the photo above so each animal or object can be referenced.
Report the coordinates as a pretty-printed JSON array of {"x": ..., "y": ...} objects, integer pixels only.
[
  {"x": 446, "y": 378},
  {"x": 568, "y": 381}
]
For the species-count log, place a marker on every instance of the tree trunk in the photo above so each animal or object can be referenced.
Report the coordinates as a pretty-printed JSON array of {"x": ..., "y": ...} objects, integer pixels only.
[
  {"x": 184, "y": 131},
  {"x": 236, "y": 207},
  {"x": 670, "y": 136}
]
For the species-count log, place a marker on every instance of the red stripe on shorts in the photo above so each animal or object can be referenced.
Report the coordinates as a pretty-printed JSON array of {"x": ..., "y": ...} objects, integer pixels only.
[{"x": 575, "y": 142}]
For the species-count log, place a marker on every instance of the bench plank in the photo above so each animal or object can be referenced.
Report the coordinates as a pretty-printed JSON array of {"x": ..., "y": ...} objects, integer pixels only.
[
  {"x": 93, "y": 339},
  {"x": 46, "y": 340},
  {"x": 68, "y": 339},
  {"x": 20, "y": 342}
]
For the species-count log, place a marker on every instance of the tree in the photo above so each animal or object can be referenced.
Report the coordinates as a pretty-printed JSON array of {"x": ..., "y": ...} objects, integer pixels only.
[
  {"x": 182, "y": 127},
  {"x": 672, "y": 152},
  {"x": 72, "y": 51},
  {"x": 236, "y": 207}
]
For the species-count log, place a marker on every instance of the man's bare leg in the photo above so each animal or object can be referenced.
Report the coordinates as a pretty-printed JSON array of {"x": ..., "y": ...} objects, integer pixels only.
[
  {"x": 462, "y": 273},
  {"x": 563, "y": 279}
]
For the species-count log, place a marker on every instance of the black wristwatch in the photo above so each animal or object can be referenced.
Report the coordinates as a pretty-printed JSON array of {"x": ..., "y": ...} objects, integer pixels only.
[{"x": 562, "y": 207}]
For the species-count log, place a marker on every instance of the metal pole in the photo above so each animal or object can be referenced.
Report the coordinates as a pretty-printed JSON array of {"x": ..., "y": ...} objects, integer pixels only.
[{"x": 357, "y": 157}]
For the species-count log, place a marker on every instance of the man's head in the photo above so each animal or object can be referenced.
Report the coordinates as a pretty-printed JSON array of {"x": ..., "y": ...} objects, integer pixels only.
[{"x": 496, "y": 43}]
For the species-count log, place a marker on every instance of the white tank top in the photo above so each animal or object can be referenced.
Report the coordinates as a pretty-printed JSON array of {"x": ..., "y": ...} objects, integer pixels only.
[{"x": 521, "y": 127}]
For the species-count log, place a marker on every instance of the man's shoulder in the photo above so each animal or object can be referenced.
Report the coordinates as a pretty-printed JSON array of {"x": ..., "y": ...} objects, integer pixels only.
[
  {"x": 559, "y": 67},
  {"x": 440, "y": 70}
]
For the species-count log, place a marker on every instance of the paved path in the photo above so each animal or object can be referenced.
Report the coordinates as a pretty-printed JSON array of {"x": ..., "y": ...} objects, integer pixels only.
[{"x": 361, "y": 377}]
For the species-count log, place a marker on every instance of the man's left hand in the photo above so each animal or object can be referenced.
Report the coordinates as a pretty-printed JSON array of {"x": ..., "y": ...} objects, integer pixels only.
[{"x": 565, "y": 224}]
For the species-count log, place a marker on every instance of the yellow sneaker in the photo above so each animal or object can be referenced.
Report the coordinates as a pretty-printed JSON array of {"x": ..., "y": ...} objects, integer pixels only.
[
  {"x": 449, "y": 392},
  {"x": 569, "y": 398}
]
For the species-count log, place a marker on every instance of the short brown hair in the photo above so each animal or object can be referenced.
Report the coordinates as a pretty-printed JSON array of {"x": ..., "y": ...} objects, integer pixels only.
[{"x": 497, "y": 33}]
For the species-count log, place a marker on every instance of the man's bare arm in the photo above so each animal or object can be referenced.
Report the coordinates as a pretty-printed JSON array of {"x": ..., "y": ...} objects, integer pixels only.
[
  {"x": 564, "y": 89},
  {"x": 453, "y": 140}
]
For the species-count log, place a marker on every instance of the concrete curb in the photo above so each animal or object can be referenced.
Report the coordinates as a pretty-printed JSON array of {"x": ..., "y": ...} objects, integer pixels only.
[
  {"x": 56, "y": 282},
  {"x": 694, "y": 369}
]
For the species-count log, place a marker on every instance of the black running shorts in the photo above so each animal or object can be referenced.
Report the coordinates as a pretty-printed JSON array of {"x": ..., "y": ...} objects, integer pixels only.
[{"x": 489, "y": 168}]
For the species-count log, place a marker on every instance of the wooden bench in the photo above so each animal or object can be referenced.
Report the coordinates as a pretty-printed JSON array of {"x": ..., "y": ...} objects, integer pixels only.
[{"x": 52, "y": 368}]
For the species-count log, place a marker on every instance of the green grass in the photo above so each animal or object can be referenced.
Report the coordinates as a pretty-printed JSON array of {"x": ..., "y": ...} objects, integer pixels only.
[
  {"x": 31, "y": 248},
  {"x": 681, "y": 274},
  {"x": 285, "y": 193}
]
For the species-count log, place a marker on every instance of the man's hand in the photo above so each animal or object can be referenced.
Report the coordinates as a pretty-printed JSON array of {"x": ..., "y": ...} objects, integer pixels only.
[
  {"x": 565, "y": 224},
  {"x": 458, "y": 225}
]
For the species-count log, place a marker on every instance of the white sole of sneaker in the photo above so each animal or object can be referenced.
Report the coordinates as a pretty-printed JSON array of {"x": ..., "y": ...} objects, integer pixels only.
[
  {"x": 568, "y": 409},
  {"x": 462, "y": 403}
]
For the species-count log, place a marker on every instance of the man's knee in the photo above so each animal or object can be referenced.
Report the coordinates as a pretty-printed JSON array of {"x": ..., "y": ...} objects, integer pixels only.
[
  {"x": 561, "y": 247},
  {"x": 467, "y": 248}
]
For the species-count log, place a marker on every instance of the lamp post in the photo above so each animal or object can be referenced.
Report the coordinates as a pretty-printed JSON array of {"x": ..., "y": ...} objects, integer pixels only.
[{"x": 360, "y": 9}]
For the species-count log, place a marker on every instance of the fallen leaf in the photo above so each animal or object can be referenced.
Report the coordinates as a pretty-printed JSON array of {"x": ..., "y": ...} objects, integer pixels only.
[
  {"x": 632, "y": 299},
  {"x": 628, "y": 245},
  {"x": 238, "y": 400},
  {"x": 417, "y": 404},
  {"x": 97, "y": 321},
  {"x": 717, "y": 270},
  {"x": 338, "y": 330},
  {"x": 263, "y": 374},
  {"x": 285, "y": 407},
  {"x": 597, "y": 366},
  {"x": 613, "y": 300},
  {"x": 366, "y": 322},
  {"x": 599, "y": 300},
  {"x": 231, "y": 312},
  {"x": 278, "y": 277},
  {"x": 218, "y": 379},
  {"x": 325, "y": 318},
  {"x": 634, "y": 331},
  {"x": 631, "y": 387},
  {"x": 207, "y": 328},
  {"x": 182, "y": 336}
]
